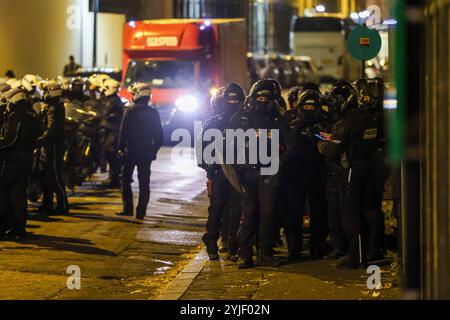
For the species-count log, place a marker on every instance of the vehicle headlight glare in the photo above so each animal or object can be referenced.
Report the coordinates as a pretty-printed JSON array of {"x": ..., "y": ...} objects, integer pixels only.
[{"x": 187, "y": 103}]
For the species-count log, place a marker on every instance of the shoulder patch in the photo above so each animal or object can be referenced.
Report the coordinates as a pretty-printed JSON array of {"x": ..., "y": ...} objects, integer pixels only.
[{"x": 370, "y": 133}]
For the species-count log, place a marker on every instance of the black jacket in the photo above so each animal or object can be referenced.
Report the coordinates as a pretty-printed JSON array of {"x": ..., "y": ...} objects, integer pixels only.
[
  {"x": 358, "y": 135},
  {"x": 251, "y": 119},
  {"x": 141, "y": 133},
  {"x": 19, "y": 134}
]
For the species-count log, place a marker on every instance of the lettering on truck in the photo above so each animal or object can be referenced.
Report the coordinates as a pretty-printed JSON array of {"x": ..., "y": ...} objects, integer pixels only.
[{"x": 162, "y": 41}]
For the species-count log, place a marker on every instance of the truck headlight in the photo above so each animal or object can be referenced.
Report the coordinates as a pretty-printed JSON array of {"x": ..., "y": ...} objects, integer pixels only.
[{"x": 187, "y": 103}]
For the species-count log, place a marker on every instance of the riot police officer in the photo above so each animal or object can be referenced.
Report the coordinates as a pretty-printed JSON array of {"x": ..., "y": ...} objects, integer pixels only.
[
  {"x": 334, "y": 195},
  {"x": 224, "y": 210},
  {"x": 93, "y": 103},
  {"x": 76, "y": 92},
  {"x": 259, "y": 191},
  {"x": 141, "y": 137},
  {"x": 372, "y": 97},
  {"x": 354, "y": 144},
  {"x": 17, "y": 143},
  {"x": 4, "y": 88},
  {"x": 53, "y": 143},
  {"x": 112, "y": 118},
  {"x": 292, "y": 178},
  {"x": 30, "y": 83},
  {"x": 309, "y": 177}
]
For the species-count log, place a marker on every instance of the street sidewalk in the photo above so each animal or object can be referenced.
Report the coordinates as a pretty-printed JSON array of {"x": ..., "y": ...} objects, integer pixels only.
[{"x": 305, "y": 280}]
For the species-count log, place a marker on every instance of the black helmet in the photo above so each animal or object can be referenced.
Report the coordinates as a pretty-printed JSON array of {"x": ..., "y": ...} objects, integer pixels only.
[
  {"x": 293, "y": 95},
  {"x": 277, "y": 86},
  {"x": 264, "y": 96},
  {"x": 371, "y": 93},
  {"x": 233, "y": 97},
  {"x": 234, "y": 94},
  {"x": 309, "y": 98},
  {"x": 310, "y": 86},
  {"x": 342, "y": 97},
  {"x": 310, "y": 106},
  {"x": 77, "y": 84},
  {"x": 266, "y": 87}
]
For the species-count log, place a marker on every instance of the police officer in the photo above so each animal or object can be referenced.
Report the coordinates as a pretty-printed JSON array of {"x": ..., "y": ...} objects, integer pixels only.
[
  {"x": 111, "y": 121},
  {"x": 334, "y": 197},
  {"x": 17, "y": 143},
  {"x": 4, "y": 88},
  {"x": 292, "y": 175},
  {"x": 312, "y": 176},
  {"x": 372, "y": 96},
  {"x": 76, "y": 92},
  {"x": 93, "y": 103},
  {"x": 224, "y": 209},
  {"x": 30, "y": 83},
  {"x": 141, "y": 137},
  {"x": 259, "y": 191},
  {"x": 354, "y": 143},
  {"x": 53, "y": 143}
]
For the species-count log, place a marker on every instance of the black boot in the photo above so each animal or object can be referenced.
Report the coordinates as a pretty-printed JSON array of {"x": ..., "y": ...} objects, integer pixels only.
[
  {"x": 246, "y": 264},
  {"x": 334, "y": 255},
  {"x": 267, "y": 261},
  {"x": 16, "y": 233}
]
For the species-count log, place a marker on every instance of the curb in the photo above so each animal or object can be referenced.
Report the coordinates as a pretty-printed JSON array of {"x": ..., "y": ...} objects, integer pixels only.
[{"x": 184, "y": 279}]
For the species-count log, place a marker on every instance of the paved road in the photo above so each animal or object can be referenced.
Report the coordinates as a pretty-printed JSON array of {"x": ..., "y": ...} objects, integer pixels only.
[{"x": 119, "y": 258}]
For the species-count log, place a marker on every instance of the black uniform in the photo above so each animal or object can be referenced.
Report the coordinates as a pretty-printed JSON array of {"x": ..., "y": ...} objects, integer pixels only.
[
  {"x": 224, "y": 212},
  {"x": 53, "y": 142},
  {"x": 111, "y": 124},
  {"x": 259, "y": 191},
  {"x": 356, "y": 146},
  {"x": 141, "y": 137},
  {"x": 302, "y": 179},
  {"x": 17, "y": 143}
]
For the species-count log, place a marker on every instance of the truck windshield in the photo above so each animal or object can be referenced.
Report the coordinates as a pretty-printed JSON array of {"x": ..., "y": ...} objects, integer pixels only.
[{"x": 161, "y": 74}]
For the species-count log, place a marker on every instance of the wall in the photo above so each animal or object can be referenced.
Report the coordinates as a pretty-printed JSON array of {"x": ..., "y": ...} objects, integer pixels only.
[{"x": 38, "y": 36}]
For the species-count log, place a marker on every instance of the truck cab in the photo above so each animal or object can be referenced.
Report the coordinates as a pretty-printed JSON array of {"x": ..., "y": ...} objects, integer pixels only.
[{"x": 185, "y": 61}]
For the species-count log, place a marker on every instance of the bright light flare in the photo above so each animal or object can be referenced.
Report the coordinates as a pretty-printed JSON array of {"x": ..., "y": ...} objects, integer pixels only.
[{"x": 188, "y": 103}]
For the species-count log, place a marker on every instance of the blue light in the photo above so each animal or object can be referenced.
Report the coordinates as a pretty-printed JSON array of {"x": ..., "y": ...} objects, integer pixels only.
[
  {"x": 207, "y": 23},
  {"x": 390, "y": 22},
  {"x": 202, "y": 27},
  {"x": 132, "y": 24}
]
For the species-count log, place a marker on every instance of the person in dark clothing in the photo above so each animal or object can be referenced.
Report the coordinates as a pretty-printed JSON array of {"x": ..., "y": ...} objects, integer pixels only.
[
  {"x": 76, "y": 92},
  {"x": 10, "y": 74},
  {"x": 52, "y": 142},
  {"x": 141, "y": 137},
  {"x": 4, "y": 88},
  {"x": 71, "y": 68},
  {"x": 259, "y": 191},
  {"x": 110, "y": 123},
  {"x": 355, "y": 144},
  {"x": 224, "y": 199},
  {"x": 338, "y": 241},
  {"x": 372, "y": 97},
  {"x": 17, "y": 143},
  {"x": 303, "y": 176}
]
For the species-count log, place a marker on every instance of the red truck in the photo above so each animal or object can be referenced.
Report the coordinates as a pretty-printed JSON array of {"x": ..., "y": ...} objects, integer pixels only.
[{"x": 185, "y": 61}]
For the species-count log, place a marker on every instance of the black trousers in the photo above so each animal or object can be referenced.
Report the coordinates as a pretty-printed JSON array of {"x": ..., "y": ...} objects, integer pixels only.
[
  {"x": 334, "y": 200},
  {"x": 297, "y": 189},
  {"x": 13, "y": 194},
  {"x": 144, "y": 171},
  {"x": 362, "y": 217},
  {"x": 258, "y": 204},
  {"x": 53, "y": 181},
  {"x": 291, "y": 201},
  {"x": 112, "y": 159},
  {"x": 224, "y": 214}
]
